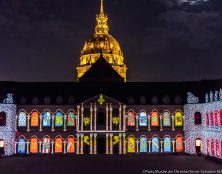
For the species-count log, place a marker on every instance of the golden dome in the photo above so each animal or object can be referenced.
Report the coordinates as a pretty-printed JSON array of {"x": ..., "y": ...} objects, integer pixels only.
[
  {"x": 101, "y": 42},
  {"x": 104, "y": 43}
]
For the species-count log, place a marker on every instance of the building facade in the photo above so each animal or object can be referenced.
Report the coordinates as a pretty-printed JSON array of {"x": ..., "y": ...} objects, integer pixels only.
[
  {"x": 99, "y": 125},
  {"x": 101, "y": 114}
]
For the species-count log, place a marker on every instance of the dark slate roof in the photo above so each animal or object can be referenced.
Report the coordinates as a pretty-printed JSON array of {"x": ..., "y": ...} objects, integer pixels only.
[{"x": 124, "y": 92}]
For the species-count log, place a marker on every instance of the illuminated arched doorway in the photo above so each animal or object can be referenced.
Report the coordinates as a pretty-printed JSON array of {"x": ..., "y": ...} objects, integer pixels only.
[
  {"x": 2, "y": 146},
  {"x": 198, "y": 145}
]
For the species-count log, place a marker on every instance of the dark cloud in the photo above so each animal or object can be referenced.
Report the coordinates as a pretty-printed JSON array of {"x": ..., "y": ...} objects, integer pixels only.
[{"x": 162, "y": 40}]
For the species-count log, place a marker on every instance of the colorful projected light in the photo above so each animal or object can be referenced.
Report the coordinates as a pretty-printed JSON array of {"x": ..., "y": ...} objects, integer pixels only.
[
  {"x": 22, "y": 119},
  {"x": 143, "y": 145},
  {"x": 59, "y": 119},
  {"x": 155, "y": 145},
  {"x": 21, "y": 146},
  {"x": 34, "y": 119},
  {"x": 167, "y": 144},
  {"x": 154, "y": 118},
  {"x": 178, "y": 119},
  {"x": 71, "y": 145},
  {"x": 71, "y": 119},
  {"x": 47, "y": 119},
  {"x": 34, "y": 145},
  {"x": 131, "y": 145},
  {"x": 131, "y": 119},
  {"x": 143, "y": 119}
]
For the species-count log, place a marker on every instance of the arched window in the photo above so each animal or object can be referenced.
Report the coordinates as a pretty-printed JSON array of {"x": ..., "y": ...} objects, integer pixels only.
[
  {"x": 143, "y": 144},
  {"x": 34, "y": 119},
  {"x": 208, "y": 147},
  {"x": 71, "y": 145},
  {"x": 216, "y": 114},
  {"x": 58, "y": 145},
  {"x": 154, "y": 118},
  {"x": 212, "y": 147},
  {"x": 2, "y": 119},
  {"x": 211, "y": 118},
  {"x": 59, "y": 119},
  {"x": 207, "y": 119},
  {"x": 217, "y": 148},
  {"x": 47, "y": 119},
  {"x": 131, "y": 118},
  {"x": 22, "y": 119},
  {"x": 155, "y": 145},
  {"x": 179, "y": 144},
  {"x": 143, "y": 119},
  {"x": 197, "y": 118},
  {"x": 131, "y": 145},
  {"x": 178, "y": 119},
  {"x": 46, "y": 145},
  {"x": 166, "y": 119},
  {"x": 21, "y": 146},
  {"x": 221, "y": 117},
  {"x": 221, "y": 148},
  {"x": 167, "y": 145},
  {"x": 34, "y": 145},
  {"x": 71, "y": 118}
]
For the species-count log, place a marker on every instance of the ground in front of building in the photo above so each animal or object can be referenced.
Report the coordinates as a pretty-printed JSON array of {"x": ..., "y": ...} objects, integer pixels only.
[{"x": 103, "y": 164}]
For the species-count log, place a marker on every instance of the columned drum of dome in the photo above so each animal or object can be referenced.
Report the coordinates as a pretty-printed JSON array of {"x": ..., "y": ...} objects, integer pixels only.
[{"x": 101, "y": 42}]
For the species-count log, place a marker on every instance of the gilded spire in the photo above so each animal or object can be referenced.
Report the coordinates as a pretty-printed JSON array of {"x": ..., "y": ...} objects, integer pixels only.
[
  {"x": 102, "y": 19},
  {"x": 101, "y": 8}
]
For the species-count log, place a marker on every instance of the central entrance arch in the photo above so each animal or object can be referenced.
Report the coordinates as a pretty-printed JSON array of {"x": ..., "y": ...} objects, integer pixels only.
[
  {"x": 101, "y": 145},
  {"x": 198, "y": 145}
]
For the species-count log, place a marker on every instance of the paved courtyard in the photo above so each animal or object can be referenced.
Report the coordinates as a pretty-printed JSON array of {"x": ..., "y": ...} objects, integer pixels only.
[{"x": 105, "y": 164}]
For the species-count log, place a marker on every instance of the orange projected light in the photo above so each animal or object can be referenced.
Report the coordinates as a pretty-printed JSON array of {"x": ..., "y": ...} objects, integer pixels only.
[
  {"x": 35, "y": 119},
  {"x": 58, "y": 145},
  {"x": 71, "y": 145},
  {"x": 34, "y": 145}
]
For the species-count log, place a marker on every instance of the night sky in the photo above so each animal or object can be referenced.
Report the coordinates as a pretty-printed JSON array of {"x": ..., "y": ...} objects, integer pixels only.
[{"x": 162, "y": 40}]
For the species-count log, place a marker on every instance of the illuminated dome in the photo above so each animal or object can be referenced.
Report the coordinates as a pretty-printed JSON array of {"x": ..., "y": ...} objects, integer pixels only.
[{"x": 101, "y": 43}]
